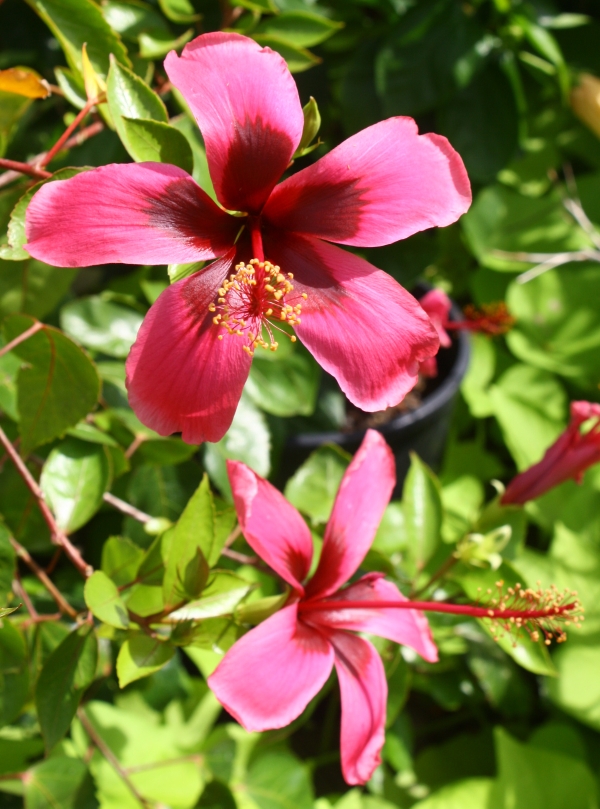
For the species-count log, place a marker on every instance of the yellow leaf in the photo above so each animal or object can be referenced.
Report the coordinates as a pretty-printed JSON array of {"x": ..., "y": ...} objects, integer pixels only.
[
  {"x": 23, "y": 82},
  {"x": 94, "y": 85}
]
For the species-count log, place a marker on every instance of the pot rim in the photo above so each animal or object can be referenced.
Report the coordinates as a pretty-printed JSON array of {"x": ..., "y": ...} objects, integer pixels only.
[{"x": 430, "y": 405}]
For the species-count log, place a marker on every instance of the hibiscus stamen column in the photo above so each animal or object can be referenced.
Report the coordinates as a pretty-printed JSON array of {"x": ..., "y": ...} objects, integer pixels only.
[{"x": 535, "y": 611}]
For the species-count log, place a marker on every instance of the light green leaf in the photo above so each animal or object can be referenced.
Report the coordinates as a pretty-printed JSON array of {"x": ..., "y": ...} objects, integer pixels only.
[
  {"x": 178, "y": 10},
  {"x": 101, "y": 325},
  {"x": 422, "y": 505},
  {"x": 60, "y": 782},
  {"x": 530, "y": 405},
  {"x": 278, "y": 780},
  {"x": 72, "y": 86},
  {"x": 65, "y": 675},
  {"x": 73, "y": 480},
  {"x": 14, "y": 673},
  {"x": 287, "y": 387},
  {"x": 221, "y": 596},
  {"x": 4, "y": 611},
  {"x": 558, "y": 317},
  {"x": 313, "y": 487},
  {"x": 148, "y": 140},
  {"x": 470, "y": 793},
  {"x": 480, "y": 373},
  {"x": 103, "y": 599},
  {"x": 140, "y": 656},
  {"x": 121, "y": 559},
  {"x": 76, "y": 22},
  {"x": 131, "y": 18},
  {"x": 57, "y": 388},
  {"x": 576, "y": 690},
  {"x": 503, "y": 221},
  {"x": 266, "y": 6},
  {"x": 248, "y": 440},
  {"x": 155, "y": 44},
  {"x": 304, "y": 29}
]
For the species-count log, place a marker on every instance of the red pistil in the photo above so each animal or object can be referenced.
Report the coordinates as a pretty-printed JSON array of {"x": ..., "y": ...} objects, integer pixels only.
[{"x": 256, "y": 236}]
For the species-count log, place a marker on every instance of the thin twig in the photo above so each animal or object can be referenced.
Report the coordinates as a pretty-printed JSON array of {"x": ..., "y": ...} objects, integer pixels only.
[
  {"x": 242, "y": 558},
  {"x": 135, "y": 444},
  {"x": 61, "y": 602},
  {"x": 57, "y": 535},
  {"x": 108, "y": 754},
  {"x": 77, "y": 139},
  {"x": 40, "y": 619},
  {"x": 237, "y": 531},
  {"x": 24, "y": 168},
  {"x": 21, "y": 338},
  {"x": 21, "y": 593},
  {"x": 60, "y": 143},
  {"x": 126, "y": 508}
]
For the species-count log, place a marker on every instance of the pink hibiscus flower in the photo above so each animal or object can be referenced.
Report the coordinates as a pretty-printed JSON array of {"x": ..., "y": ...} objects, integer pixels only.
[
  {"x": 270, "y": 675},
  {"x": 567, "y": 459},
  {"x": 437, "y": 305},
  {"x": 192, "y": 356}
]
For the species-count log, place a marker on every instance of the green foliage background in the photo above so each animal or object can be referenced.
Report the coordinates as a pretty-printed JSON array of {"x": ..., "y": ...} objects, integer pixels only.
[{"x": 108, "y": 714}]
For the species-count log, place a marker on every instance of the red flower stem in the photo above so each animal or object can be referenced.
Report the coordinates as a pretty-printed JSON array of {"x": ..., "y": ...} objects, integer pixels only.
[
  {"x": 47, "y": 157},
  {"x": 57, "y": 535},
  {"x": 21, "y": 338},
  {"x": 24, "y": 168},
  {"x": 435, "y": 606}
]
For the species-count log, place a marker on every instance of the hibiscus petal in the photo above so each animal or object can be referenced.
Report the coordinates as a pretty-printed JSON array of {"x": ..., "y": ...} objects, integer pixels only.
[
  {"x": 407, "y": 627},
  {"x": 271, "y": 525},
  {"x": 363, "y": 495},
  {"x": 136, "y": 213},
  {"x": 247, "y": 106},
  {"x": 382, "y": 184},
  {"x": 270, "y": 675},
  {"x": 361, "y": 325},
  {"x": 180, "y": 376},
  {"x": 364, "y": 694}
]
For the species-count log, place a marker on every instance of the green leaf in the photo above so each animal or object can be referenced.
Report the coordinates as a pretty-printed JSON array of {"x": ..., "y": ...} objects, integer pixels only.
[
  {"x": 131, "y": 18},
  {"x": 287, "y": 387},
  {"x": 312, "y": 124},
  {"x": 534, "y": 778},
  {"x": 58, "y": 386},
  {"x": 101, "y": 325},
  {"x": 470, "y": 793},
  {"x": 422, "y": 504},
  {"x": 103, "y": 599},
  {"x": 72, "y": 86},
  {"x": 158, "y": 142},
  {"x": 178, "y": 271},
  {"x": 17, "y": 237},
  {"x": 4, "y": 611},
  {"x": 129, "y": 96},
  {"x": 73, "y": 480},
  {"x": 60, "y": 782},
  {"x": 121, "y": 559},
  {"x": 558, "y": 317},
  {"x": 267, "y": 6},
  {"x": 222, "y": 595},
  {"x": 547, "y": 46},
  {"x": 7, "y": 564},
  {"x": 248, "y": 440},
  {"x": 66, "y": 674},
  {"x": 503, "y": 221},
  {"x": 313, "y": 487},
  {"x": 155, "y": 44},
  {"x": 140, "y": 656},
  {"x": 576, "y": 690},
  {"x": 279, "y": 780},
  {"x": 14, "y": 673},
  {"x": 301, "y": 28},
  {"x": 76, "y": 22},
  {"x": 12, "y": 108},
  {"x": 530, "y": 405},
  {"x": 298, "y": 59},
  {"x": 481, "y": 370},
  {"x": 178, "y": 10}
]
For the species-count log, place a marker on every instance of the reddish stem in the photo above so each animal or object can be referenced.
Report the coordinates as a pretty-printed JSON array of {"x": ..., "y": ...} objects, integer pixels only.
[
  {"x": 255, "y": 234},
  {"x": 21, "y": 338},
  {"x": 24, "y": 168},
  {"x": 436, "y": 606},
  {"x": 46, "y": 158}
]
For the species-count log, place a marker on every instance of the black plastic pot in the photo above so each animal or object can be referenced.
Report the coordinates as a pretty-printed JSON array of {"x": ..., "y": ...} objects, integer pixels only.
[{"x": 423, "y": 430}]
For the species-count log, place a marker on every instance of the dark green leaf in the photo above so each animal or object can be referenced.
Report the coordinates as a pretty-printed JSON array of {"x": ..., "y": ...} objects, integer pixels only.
[
  {"x": 140, "y": 656},
  {"x": 14, "y": 674},
  {"x": 301, "y": 28},
  {"x": 178, "y": 10},
  {"x": 57, "y": 388},
  {"x": 155, "y": 44},
  {"x": 7, "y": 563},
  {"x": 131, "y": 18},
  {"x": 60, "y": 783},
  {"x": 287, "y": 387},
  {"x": 298, "y": 59},
  {"x": 64, "y": 677},
  {"x": 101, "y": 325},
  {"x": 157, "y": 142},
  {"x": 422, "y": 504},
  {"x": 73, "y": 480}
]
